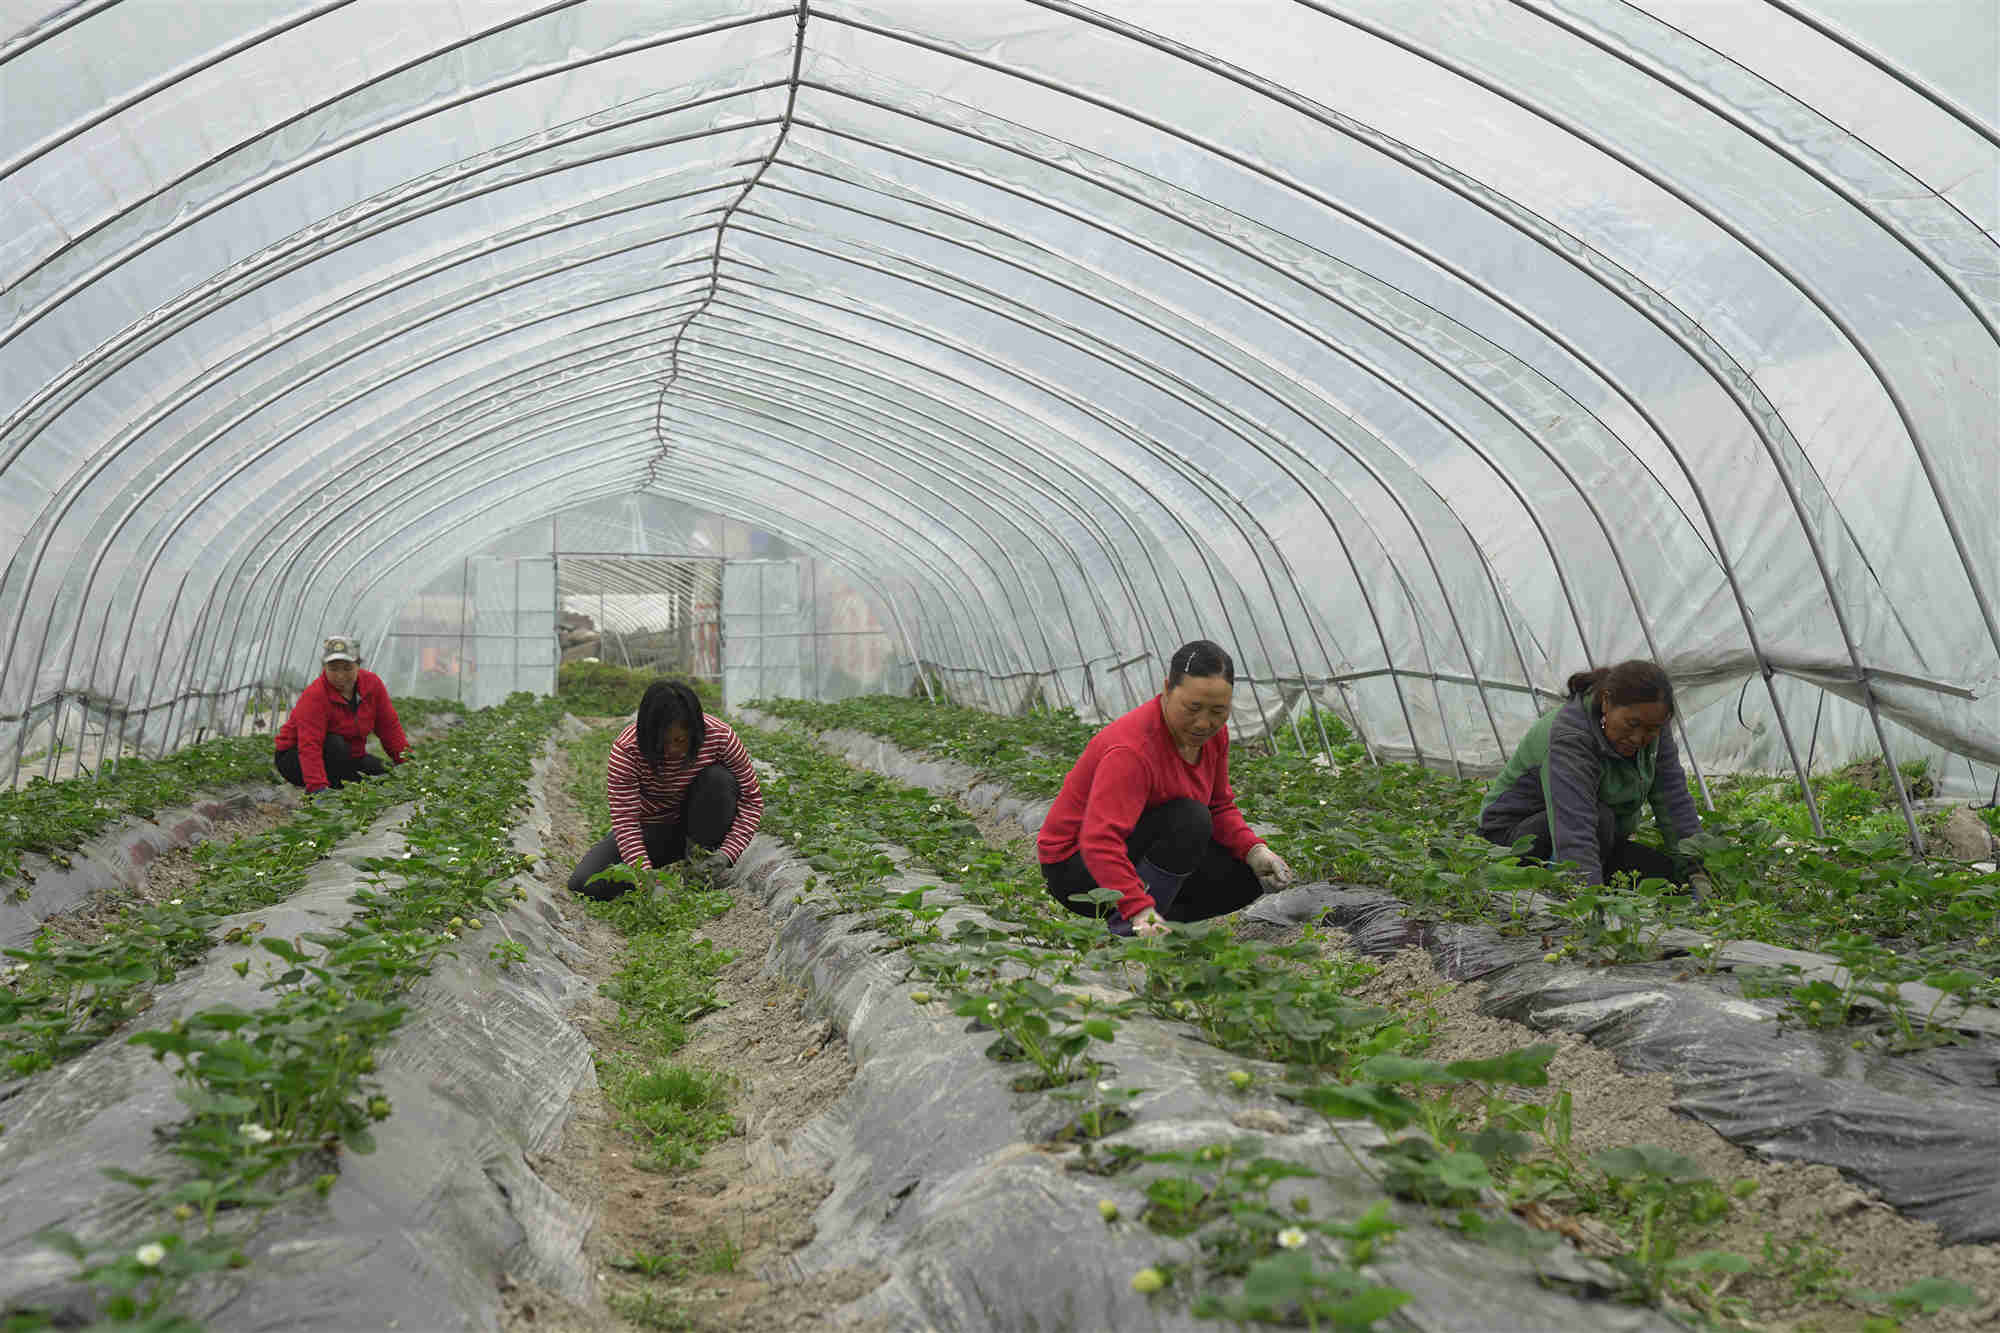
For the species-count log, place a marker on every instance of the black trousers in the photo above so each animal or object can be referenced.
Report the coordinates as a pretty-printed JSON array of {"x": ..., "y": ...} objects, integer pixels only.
[
  {"x": 707, "y": 810},
  {"x": 341, "y": 767},
  {"x": 1614, "y": 853},
  {"x": 1178, "y": 837}
]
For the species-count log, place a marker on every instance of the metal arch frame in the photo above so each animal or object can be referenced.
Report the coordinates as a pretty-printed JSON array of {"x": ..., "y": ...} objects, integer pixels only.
[
  {"x": 647, "y": 379},
  {"x": 1052, "y": 533},
  {"x": 1611, "y": 381},
  {"x": 457, "y": 405},
  {"x": 1084, "y": 409},
  {"x": 1744, "y": 125},
  {"x": 429, "y": 109},
  {"x": 107, "y": 456},
  {"x": 1133, "y": 314},
  {"x": 1501, "y": 473},
  {"x": 1823, "y": 305},
  {"x": 262, "y": 451},
  {"x": 1024, "y": 441},
  {"x": 1040, "y": 451},
  {"x": 1316, "y": 196},
  {"x": 1169, "y": 257},
  {"x": 736, "y": 450},
  {"x": 271, "y": 31},
  {"x": 159, "y": 325},
  {"x": 55, "y": 26},
  {"x": 1085, "y": 344},
  {"x": 216, "y": 376},
  {"x": 938, "y": 432},
  {"x": 1409, "y": 160},
  {"x": 1020, "y": 578},
  {"x": 1916, "y": 85}
]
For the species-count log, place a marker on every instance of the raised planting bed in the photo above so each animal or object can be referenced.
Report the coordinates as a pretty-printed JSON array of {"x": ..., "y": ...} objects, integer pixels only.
[
  {"x": 1116, "y": 1151},
  {"x": 1941, "y": 1096},
  {"x": 323, "y": 1123}
]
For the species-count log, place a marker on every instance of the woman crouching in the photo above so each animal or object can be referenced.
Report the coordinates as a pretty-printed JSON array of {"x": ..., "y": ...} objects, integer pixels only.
[
  {"x": 1147, "y": 810},
  {"x": 676, "y": 777},
  {"x": 1577, "y": 783}
]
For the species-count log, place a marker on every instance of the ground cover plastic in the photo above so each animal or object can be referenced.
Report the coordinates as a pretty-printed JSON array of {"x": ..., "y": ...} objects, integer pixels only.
[
  {"x": 943, "y": 1175},
  {"x": 117, "y": 857},
  {"x": 1923, "y": 1130},
  {"x": 415, "y": 1235}
]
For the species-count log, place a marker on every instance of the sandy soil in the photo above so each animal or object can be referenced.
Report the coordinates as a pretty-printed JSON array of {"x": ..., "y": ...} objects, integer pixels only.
[{"x": 734, "y": 1212}]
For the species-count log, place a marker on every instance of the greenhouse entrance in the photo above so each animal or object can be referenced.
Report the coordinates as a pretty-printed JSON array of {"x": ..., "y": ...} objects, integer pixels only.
[{"x": 660, "y": 613}]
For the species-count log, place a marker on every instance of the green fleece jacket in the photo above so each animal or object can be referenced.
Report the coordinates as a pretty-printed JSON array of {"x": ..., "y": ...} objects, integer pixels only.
[{"x": 1566, "y": 766}]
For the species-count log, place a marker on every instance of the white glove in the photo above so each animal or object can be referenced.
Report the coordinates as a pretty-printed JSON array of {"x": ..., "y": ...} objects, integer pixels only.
[
  {"x": 1150, "y": 922},
  {"x": 1269, "y": 866}
]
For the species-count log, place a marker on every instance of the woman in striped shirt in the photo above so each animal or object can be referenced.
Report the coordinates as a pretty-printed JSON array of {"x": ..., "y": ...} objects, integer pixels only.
[{"x": 676, "y": 776}]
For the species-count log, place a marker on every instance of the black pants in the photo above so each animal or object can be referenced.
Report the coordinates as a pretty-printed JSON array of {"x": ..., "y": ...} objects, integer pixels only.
[
  {"x": 707, "y": 810},
  {"x": 1177, "y": 836},
  {"x": 1614, "y": 853},
  {"x": 341, "y": 767}
]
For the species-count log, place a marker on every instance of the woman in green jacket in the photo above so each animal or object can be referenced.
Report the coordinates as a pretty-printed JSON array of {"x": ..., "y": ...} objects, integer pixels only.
[{"x": 1580, "y": 777}]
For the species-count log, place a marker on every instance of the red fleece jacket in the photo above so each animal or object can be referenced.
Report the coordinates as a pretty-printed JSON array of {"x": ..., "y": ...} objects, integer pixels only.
[
  {"x": 321, "y": 712},
  {"x": 1127, "y": 769}
]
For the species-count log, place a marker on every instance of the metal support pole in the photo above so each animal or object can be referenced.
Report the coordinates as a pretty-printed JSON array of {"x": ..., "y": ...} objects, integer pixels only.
[{"x": 464, "y": 592}]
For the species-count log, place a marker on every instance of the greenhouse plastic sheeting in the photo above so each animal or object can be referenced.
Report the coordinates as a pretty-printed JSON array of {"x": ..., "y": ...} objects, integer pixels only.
[
  {"x": 1421, "y": 354},
  {"x": 414, "y": 1235},
  {"x": 941, "y": 1177}
]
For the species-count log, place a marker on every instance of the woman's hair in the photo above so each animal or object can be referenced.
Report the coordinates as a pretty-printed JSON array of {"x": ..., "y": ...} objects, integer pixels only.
[
  {"x": 1200, "y": 658},
  {"x": 1635, "y": 682},
  {"x": 666, "y": 703}
]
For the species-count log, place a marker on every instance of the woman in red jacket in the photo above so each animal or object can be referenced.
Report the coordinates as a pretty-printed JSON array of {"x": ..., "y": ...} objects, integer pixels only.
[
  {"x": 1148, "y": 810},
  {"x": 677, "y": 779},
  {"x": 324, "y": 743}
]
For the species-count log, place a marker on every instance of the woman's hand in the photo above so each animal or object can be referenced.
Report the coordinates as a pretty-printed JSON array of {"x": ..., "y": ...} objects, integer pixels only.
[
  {"x": 1150, "y": 922},
  {"x": 1268, "y": 865}
]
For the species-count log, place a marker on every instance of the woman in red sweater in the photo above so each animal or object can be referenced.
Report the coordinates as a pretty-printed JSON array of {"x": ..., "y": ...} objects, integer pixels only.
[
  {"x": 677, "y": 778},
  {"x": 324, "y": 742},
  {"x": 1148, "y": 811}
]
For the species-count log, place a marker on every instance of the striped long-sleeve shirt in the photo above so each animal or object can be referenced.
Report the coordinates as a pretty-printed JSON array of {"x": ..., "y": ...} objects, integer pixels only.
[{"x": 643, "y": 793}]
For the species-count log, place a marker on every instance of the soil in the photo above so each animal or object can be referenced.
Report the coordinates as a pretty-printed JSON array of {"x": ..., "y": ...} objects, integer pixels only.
[
  {"x": 737, "y": 1211},
  {"x": 1803, "y": 1227},
  {"x": 167, "y": 876},
  {"x": 1811, "y": 1211}
]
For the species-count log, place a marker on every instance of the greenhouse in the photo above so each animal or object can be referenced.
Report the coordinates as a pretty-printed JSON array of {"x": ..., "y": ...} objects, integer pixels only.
[{"x": 913, "y": 378}]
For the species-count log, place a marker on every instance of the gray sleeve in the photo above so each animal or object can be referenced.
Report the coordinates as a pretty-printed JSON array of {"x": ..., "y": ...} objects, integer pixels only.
[
  {"x": 1672, "y": 805},
  {"x": 1571, "y": 776}
]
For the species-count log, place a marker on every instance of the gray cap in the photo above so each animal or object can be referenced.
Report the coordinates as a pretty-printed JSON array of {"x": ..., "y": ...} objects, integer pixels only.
[{"x": 338, "y": 649}]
